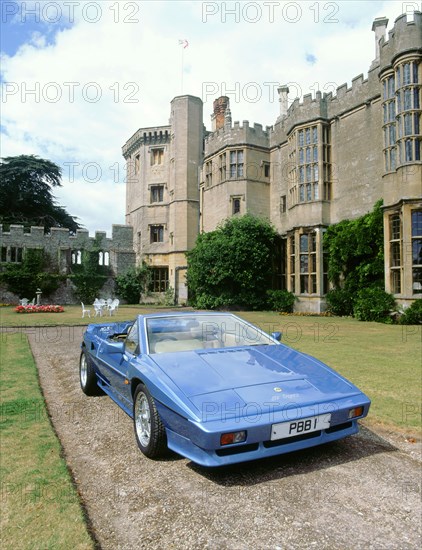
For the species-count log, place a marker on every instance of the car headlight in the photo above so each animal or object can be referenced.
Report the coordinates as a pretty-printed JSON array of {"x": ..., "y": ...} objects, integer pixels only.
[
  {"x": 232, "y": 437},
  {"x": 357, "y": 411}
]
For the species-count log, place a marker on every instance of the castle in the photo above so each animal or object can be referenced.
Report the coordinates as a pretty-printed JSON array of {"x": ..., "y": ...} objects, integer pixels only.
[{"x": 324, "y": 160}]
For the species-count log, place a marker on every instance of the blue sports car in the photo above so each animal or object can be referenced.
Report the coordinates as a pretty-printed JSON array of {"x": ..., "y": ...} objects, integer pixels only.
[{"x": 215, "y": 388}]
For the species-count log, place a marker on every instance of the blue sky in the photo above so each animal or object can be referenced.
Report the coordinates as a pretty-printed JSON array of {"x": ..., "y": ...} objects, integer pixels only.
[
  {"x": 19, "y": 25},
  {"x": 80, "y": 77}
]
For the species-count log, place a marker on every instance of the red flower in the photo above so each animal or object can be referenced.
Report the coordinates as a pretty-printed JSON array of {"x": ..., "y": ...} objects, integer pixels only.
[{"x": 39, "y": 309}]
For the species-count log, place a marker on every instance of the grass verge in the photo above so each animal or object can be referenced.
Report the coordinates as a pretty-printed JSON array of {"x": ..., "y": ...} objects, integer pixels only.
[
  {"x": 72, "y": 316},
  {"x": 40, "y": 506},
  {"x": 384, "y": 361}
]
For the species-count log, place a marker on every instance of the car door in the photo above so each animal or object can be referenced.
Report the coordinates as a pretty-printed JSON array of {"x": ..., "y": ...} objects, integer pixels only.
[{"x": 116, "y": 365}]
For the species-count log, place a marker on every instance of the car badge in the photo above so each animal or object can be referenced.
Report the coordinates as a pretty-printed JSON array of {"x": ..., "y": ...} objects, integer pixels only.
[{"x": 277, "y": 389}]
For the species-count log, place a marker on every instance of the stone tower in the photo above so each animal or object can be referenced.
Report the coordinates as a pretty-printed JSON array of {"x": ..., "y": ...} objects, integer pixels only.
[{"x": 162, "y": 192}]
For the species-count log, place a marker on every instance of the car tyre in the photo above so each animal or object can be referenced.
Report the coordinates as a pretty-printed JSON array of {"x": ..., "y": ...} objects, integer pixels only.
[
  {"x": 149, "y": 429},
  {"x": 87, "y": 376}
]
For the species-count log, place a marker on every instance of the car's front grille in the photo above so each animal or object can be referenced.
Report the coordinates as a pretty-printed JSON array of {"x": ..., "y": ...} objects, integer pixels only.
[
  {"x": 287, "y": 440},
  {"x": 339, "y": 427},
  {"x": 237, "y": 450}
]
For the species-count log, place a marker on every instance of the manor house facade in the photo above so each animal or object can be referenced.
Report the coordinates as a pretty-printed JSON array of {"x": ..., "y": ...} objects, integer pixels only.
[{"x": 324, "y": 160}]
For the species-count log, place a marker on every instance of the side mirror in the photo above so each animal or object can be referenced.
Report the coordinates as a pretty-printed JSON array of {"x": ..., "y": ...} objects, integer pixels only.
[
  {"x": 276, "y": 336},
  {"x": 113, "y": 347}
]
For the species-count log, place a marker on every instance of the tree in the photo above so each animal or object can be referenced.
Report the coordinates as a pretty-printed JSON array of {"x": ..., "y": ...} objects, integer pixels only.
[
  {"x": 25, "y": 193},
  {"x": 232, "y": 266}
]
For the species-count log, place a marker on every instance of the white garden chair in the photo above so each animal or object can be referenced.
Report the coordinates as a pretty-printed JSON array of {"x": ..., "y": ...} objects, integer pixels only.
[
  {"x": 98, "y": 309},
  {"x": 85, "y": 310},
  {"x": 24, "y": 302},
  {"x": 112, "y": 309}
]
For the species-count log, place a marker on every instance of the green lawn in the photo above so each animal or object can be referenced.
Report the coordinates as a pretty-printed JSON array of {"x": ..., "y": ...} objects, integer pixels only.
[
  {"x": 72, "y": 315},
  {"x": 40, "y": 506},
  {"x": 383, "y": 360}
]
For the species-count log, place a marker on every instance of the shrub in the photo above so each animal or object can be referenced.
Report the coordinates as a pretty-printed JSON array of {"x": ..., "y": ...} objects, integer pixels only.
[
  {"x": 374, "y": 304},
  {"x": 233, "y": 265},
  {"x": 131, "y": 284},
  {"x": 88, "y": 286},
  {"x": 169, "y": 297},
  {"x": 340, "y": 302},
  {"x": 206, "y": 301},
  {"x": 34, "y": 272},
  {"x": 413, "y": 314},
  {"x": 280, "y": 300}
]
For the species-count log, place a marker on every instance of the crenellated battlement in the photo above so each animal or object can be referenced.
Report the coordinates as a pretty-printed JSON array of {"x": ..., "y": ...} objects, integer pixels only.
[
  {"x": 405, "y": 37},
  {"x": 155, "y": 135},
  {"x": 62, "y": 245},
  {"x": 122, "y": 236},
  {"x": 402, "y": 37},
  {"x": 236, "y": 134}
]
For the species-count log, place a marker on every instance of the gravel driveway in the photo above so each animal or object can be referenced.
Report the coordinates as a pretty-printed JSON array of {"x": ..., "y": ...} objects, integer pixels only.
[{"x": 362, "y": 492}]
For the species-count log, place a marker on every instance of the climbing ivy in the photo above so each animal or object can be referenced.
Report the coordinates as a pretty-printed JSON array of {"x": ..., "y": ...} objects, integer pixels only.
[
  {"x": 355, "y": 251},
  {"x": 88, "y": 276},
  {"x": 355, "y": 254},
  {"x": 33, "y": 273}
]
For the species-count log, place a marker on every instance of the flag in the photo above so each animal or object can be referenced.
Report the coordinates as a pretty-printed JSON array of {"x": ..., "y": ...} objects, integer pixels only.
[{"x": 184, "y": 42}]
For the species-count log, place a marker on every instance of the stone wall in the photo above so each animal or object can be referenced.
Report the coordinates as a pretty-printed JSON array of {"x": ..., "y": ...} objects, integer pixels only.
[{"x": 64, "y": 249}]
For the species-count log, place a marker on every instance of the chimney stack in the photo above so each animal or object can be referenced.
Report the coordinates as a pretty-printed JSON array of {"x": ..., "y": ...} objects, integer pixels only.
[
  {"x": 219, "y": 106},
  {"x": 283, "y": 92},
  {"x": 379, "y": 26}
]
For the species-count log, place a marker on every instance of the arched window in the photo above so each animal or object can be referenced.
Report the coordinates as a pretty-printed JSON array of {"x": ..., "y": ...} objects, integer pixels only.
[{"x": 76, "y": 257}]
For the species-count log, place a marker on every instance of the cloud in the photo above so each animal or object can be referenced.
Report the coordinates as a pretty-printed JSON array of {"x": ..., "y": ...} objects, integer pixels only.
[{"x": 74, "y": 91}]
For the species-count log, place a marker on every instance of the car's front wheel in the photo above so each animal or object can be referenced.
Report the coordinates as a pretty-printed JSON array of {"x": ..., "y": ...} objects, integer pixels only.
[
  {"x": 149, "y": 430},
  {"x": 87, "y": 376}
]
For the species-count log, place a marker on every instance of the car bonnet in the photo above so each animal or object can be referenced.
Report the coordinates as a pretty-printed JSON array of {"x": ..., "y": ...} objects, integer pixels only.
[{"x": 253, "y": 374}]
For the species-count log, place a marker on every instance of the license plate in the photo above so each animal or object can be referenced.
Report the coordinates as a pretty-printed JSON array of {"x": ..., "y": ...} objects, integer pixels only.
[{"x": 300, "y": 426}]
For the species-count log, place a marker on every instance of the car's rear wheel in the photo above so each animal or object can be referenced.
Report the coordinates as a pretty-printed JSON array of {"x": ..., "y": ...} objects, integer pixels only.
[
  {"x": 149, "y": 430},
  {"x": 87, "y": 376}
]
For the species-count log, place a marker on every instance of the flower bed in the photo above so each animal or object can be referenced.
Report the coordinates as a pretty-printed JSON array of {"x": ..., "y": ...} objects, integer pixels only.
[{"x": 39, "y": 309}]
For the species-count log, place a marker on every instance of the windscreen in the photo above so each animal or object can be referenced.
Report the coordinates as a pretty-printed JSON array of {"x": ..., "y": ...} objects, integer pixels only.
[{"x": 193, "y": 332}]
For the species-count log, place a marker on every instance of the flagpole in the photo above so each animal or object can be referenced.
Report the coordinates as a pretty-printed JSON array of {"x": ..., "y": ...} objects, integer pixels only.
[
  {"x": 184, "y": 43},
  {"x": 181, "y": 79}
]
